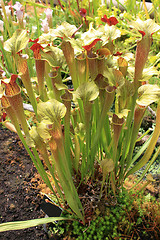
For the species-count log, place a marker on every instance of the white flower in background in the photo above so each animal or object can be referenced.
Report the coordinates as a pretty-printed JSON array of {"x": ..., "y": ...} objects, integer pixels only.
[
  {"x": 34, "y": 29},
  {"x": 8, "y": 12},
  {"x": 45, "y": 25},
  {"x": 1, "y": 26},
  {"x": 24, "y": 23},
  {"x": 19, "y": 11},
  {"x": 48, "y": 13},
  {"x": 1, "y": 38}
]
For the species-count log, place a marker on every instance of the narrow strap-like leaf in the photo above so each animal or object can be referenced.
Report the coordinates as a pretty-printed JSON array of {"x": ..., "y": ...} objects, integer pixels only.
[{"x": 9, "y": 226}]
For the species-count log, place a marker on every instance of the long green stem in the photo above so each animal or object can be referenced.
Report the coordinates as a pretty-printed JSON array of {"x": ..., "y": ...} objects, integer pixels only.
[
  {"x": 127, "y": 136},
  {"x": 6, "y": 19},
  {"x": 50, "y": 168},
  {"x": 107, "y": 103},
  {"x": 37, "y": 20},
  {"x": 9, "y": 65},
  {"x": 136, "y": 126},
  {"x": 149, "y": 165},
  {"x": 37, "y": 165},
  {"x": 41, "y": 168},
  {"x": 67, "y": 133},
  {"x": 88, "y": 124},
  {"x": 151, "y": 146}
]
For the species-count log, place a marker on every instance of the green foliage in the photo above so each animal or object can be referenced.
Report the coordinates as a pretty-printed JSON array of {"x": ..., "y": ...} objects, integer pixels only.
[{"x": 119, "y": 221}]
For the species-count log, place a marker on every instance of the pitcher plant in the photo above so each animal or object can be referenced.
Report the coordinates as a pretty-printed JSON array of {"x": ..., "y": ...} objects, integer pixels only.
[{"x": 86, "y": 132}]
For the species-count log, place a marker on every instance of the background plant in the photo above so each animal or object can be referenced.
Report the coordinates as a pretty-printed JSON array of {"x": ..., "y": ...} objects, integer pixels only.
[{"x": 88, "y": 133}]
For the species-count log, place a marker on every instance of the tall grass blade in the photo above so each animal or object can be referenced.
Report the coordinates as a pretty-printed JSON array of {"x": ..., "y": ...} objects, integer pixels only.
[{"x": 10, "y": 226}]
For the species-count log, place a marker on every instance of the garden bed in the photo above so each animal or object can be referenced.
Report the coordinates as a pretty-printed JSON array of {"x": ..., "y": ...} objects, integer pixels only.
[
  {"x": 19, "y": 192},
  {"x": 20, "y": 189}
]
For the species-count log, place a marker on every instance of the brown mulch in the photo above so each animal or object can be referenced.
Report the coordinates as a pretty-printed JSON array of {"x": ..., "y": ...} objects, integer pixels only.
[{"x": 19, "y": 192}]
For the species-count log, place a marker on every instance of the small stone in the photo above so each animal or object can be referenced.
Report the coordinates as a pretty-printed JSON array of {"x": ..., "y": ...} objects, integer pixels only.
[
  {"x": 1, "y": 191},
  {"x": 12, "y": 206}
]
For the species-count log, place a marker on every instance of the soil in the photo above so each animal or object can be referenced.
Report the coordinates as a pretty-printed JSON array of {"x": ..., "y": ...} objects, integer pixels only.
[{"x": 19, "y": 192}]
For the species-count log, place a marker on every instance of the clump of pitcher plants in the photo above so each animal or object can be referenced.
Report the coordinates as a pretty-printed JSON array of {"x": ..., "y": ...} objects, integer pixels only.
[{"x": 85, "y": 133}]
